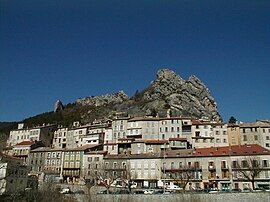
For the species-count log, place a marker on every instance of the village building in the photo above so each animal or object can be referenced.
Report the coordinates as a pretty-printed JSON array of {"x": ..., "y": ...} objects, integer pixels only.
[
  {"x": 42, "y": 133},
  {"x": 13, "y": 175}
]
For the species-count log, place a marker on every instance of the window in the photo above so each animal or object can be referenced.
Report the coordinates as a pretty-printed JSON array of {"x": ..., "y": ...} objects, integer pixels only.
[
  {"x": 267, "y": 144},
  {"x": 263, "y": 130},
  {"x": 180, "y": 164},
  {"x": 172, "y": 165},
  {"x": 244, "y": 138},
  {"x": 96, "y": 158},
  {"x": 234, "y": 164},
  {"x": 224, "y": 140},
  {"x": 224, "y": 132},
  {"x": 244, "y": 164},
  {"x": 255, "y": 137},
  {"x": 197, "y": 164},
  {"x": 217, "y": 132},
  {"x": 244, "y": 130},
  {"x": 267, "y": 138},
  {"x": 178, "y": 129},
  {"x": 265, "y": 164},
  {"x": 223, "y": 164},
  {"x": 166, "y": 129},
  {"x": 172, "y": 129},
  {"x": 163, "y": 136}
]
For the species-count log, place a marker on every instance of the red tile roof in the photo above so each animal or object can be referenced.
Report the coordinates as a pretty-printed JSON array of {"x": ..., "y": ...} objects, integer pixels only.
[
  {"x": 26, "y": 143},
  {"x": 151, "y": 141},
  {"x": 177, "y": 139},
  {"x": 238, "y": 150},
  {"x": 235, "y": 150}
]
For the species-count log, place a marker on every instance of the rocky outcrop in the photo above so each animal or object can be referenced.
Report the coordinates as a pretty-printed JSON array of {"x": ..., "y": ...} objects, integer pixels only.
[
  {"x": 104, "y": 100},
  {"x": 168, "y": 91},
  {"x": 184, "y": 97},
  {"x": 58, "y": 106}
]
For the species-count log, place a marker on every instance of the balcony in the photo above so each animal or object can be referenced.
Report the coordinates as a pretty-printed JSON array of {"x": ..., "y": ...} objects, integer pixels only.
[
  {"x": 118, "y": 168},
  {"x": 182, "y": 169},
  {"x": 138, "y": 135},
  {"x": 224, "y": 167},
  {"x": 211, "y": 167}
]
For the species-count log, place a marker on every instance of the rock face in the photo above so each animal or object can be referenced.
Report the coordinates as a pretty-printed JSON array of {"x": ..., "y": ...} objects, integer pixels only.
[
  {"x": 167, "y": 92},
  {"x": 58, "y": 106},
  {"x": 184, "y": 97},
  {"x": 103, "y": 100}
]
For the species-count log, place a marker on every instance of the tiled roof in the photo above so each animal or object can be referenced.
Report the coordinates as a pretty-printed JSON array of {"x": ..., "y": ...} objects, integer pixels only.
[
  {"x": 151, "y": 141},
  {"x": 262, "y": 124},
  {"x": 144, "y": 119},
  {"x": 235, "y": 150},
  {"x": 238, "y": 150},
  {"x": 26, "y": 143},
  {"x": 82, "y": 148},
  {"x": 177, "y": 139}
]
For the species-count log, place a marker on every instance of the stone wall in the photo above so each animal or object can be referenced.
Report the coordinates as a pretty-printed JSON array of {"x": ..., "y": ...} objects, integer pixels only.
[{"x": 233, "y": 197}]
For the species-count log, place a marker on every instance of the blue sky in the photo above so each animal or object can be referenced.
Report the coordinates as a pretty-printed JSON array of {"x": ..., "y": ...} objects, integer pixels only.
[{"x": 62, "y": 49}]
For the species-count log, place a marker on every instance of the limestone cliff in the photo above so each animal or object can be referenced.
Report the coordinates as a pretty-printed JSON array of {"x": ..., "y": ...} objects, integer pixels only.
[{"x": 168, "y": 91}]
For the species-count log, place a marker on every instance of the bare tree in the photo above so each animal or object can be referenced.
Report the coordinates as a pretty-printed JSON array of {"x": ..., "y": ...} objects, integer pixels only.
[
  {"x": 182, "y": 175},
  {"x": 249, "y": 169},
  {"x": 102, "y": 176}
]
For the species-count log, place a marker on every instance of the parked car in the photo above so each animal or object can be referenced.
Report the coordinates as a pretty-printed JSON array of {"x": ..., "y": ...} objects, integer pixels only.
[
  {"x": 257, "y": 189},
  {"x": 213, "y": 191},
  {"x": 149, "y": 191},
  {"x": 247, "y": 190},
  {"x": 267, "y": 189},
  {"x": 237, "y": 190},
  {"x": 65, "y": 191},
  {"x": 174, "y": 187},
  {"x": 133, "y": 185},
  {"x": 225, "y": 190},
  {"x": 139, "y": 192}
]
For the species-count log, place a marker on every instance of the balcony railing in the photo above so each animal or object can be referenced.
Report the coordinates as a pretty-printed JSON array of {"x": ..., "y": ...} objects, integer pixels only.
[
  {"x": 118, "y": 168},
  {"x": 175, "y": 169},
  {"x": 211, "y": 167},
  {"x": 224, "y": 168}
]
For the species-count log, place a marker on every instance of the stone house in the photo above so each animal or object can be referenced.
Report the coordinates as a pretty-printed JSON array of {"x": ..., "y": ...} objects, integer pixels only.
[
  {"x": 13, "y": 174},
  {"x": 42, "y": 133}
]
